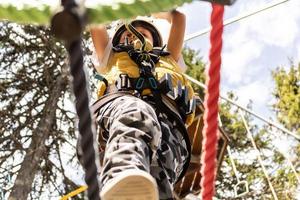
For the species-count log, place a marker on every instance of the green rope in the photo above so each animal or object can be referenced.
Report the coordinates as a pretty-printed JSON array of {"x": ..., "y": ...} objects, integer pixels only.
[{"x": 98, "y": 14}]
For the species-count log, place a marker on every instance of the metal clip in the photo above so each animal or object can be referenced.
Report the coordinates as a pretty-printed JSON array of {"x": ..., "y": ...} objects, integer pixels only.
[
  {"x": 165, "y": 84},
  {"x": 191, "y": 106},
  {"x": 152, "y": 82},
  {"x": 184, "y": 96},
  {"x": 178, "y": 91},
  {"x": 140, "y": 83},
  {"x": 123, "y": 83}
]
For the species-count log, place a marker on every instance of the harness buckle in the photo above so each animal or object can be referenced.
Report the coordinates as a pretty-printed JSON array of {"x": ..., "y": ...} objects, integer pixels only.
[
  {"x": 191, "y": 106},
  {"x": 123, "y": 83},
  {"x": 178, "y": 92},
  {"x": 140, "y": 83},
  {"x": 152, "y": 82}
]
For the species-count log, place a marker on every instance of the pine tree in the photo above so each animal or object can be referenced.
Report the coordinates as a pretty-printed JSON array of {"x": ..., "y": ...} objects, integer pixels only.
[
  {"x": 36, "y": 121},
  {"x": 287, "y": 108}
]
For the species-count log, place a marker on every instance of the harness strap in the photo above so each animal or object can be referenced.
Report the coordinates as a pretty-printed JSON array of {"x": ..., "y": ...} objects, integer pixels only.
[
  {"x": 107, "y": 98},
  {"x": 179, "y": 95},
  {"x": 181, "y": 126}
]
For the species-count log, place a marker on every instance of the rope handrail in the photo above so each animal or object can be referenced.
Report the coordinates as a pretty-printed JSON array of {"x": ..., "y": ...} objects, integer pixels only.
[
  {"x": 258, "y": 155},
  {"x": 287, "y": 157},
  {"x": 99, "y": 14},
  {"x": 74, "y": 19},
  {"x": 247, "y": 110}
]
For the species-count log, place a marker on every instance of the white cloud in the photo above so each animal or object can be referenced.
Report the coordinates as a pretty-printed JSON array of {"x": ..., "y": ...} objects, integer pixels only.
[
  {"x": 277, "y": 26},
  {"x": 257, "y": 91},
  {"x": 244, "y": 42},
  {"x": 252, "y": 45},
  {"x": 236, "y": 61}
]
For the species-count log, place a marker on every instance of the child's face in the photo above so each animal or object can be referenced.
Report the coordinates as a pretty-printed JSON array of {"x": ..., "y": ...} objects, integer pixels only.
[{"x": 147, "y": 34}]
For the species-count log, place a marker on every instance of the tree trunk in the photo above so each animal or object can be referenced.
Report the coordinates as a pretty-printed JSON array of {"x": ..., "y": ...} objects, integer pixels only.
[{"x": 29, "y": 167}]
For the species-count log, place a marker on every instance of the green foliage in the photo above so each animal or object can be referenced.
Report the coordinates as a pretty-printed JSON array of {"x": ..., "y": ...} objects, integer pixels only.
[
  {"x": 195, "y": 68},
  {"x": 99, "y": 14},
  {"x": 26, "y": 15},
  {"x": 287, "y": 94},
  {"x": 287, "y": 109}
]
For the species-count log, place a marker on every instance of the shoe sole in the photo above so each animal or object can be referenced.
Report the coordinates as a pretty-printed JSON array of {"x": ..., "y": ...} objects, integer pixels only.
[{"x": 132, "y": 185}]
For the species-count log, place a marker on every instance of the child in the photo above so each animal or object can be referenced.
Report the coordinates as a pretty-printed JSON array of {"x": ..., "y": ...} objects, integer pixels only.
[{"x": 141, "y": 116}]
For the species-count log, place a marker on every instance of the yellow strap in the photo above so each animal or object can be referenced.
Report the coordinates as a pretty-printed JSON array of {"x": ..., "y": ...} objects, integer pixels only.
[{"x": 74, "y": 193}]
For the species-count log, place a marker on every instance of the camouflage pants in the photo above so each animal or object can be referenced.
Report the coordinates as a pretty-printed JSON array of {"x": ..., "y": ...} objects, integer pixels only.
[{"x": 136, "y": 138}]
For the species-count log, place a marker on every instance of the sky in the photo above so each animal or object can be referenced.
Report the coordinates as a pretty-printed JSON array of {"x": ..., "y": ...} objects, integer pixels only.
[{"x": 252, "y": 47}]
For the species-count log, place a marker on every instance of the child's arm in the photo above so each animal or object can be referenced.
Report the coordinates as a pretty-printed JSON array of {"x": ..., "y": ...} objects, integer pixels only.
[
  {"x": 100, "y": 39},
  {"x": 176, "y": 35}
]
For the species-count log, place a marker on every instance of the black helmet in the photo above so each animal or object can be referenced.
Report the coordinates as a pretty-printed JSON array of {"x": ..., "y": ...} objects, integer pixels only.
[{"x": 157, "y": 40}]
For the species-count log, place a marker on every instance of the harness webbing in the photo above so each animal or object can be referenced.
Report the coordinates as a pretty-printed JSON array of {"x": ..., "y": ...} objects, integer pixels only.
[
  {"x": 146, "y": 63},
  {"x": 210, "y": 129}
]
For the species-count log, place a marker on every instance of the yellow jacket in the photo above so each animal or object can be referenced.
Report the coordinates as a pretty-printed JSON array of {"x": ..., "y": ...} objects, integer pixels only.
[{"x": 121, "y": 63}]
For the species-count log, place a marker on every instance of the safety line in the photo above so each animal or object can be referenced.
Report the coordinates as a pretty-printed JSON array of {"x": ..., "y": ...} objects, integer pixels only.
[
  {"x": 74, "y": 193},
  {"x": 235, "y": 19}
]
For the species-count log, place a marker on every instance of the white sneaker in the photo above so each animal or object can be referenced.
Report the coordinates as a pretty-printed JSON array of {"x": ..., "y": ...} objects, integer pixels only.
[{"x": 131, "y": 185}]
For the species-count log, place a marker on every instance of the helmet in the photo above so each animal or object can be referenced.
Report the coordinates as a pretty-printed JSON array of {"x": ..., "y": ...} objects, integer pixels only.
[{"x": 157, "y": 39}]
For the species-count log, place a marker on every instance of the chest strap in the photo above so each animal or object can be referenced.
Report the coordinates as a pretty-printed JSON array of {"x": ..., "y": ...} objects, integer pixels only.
[{"x": 178, "y": 96}]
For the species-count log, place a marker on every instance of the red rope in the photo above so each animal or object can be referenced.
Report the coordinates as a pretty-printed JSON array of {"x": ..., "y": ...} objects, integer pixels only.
[{"x": 210, "y": 130}]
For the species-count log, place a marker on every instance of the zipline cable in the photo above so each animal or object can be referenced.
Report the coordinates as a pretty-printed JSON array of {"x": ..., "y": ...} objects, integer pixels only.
[
  {"x": 244, "y": 185},
  {"x": 235, "y": 19}
]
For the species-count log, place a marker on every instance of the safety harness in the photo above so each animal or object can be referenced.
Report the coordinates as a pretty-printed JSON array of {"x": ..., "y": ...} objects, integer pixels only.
[{"x": 161, "y": 90}]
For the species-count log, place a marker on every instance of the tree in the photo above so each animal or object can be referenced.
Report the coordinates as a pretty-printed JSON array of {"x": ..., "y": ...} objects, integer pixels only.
[
  {"x": 195, "y": 68},
  {"x": 36, "y": 125},
  {"x": 287, "y": 95},
  {"x": 287, "y": 108},
  {"x": 247, "y": 164}
]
